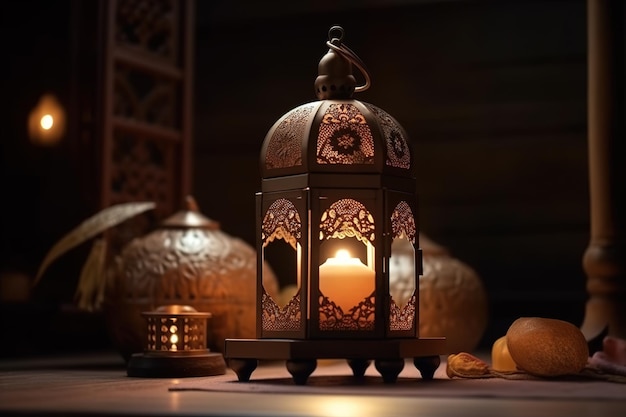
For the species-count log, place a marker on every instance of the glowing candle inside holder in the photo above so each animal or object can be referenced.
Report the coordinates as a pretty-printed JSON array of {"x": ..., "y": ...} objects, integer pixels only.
[
  {"x": 345, "y": 280},
  {"x": 176, "y": 345}
]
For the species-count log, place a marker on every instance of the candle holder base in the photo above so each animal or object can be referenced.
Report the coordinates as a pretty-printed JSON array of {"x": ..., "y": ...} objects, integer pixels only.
[
  {"x": 152, "y": 366},
  {"x": 301, "y": 356}
]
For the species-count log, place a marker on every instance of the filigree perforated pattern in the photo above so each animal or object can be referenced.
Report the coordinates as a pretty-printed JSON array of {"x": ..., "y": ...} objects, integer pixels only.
[
  {"x": 359, "y": 318},
  {"x": 285, "y": 146},
  {"x": 281, "y": 221},
  {"x": 347, "y": 218},
  {"x": 398, "y": 152},
  {"x": 344, "y": 137},
  {"x": 143, "y": 169},
  {"x": 149, "y": 25},
  {"x": 146, "y": 97},
  {"x": 402, "y": 318},
  {"x": 175, "y": 334},
  {"x": 275, "y": 318},
  {"x": 403, "y": 222}
]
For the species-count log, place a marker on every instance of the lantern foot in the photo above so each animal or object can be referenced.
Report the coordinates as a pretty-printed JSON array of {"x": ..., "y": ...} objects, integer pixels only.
[
  {"x": 301, "y": 369},
  {"x": 359, "y": 366},
  {"x": 389, "y": 369},
  {"x": 301, "y": 355},
  {"x": 427, "y": 365},
  {"x": 243, "y": 368}
]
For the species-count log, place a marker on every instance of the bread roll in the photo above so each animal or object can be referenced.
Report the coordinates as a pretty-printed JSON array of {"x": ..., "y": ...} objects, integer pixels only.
[{"x": 547, "y": 347}]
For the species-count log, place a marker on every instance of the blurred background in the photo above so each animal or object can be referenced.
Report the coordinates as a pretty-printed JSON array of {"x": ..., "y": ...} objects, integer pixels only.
[{"x": 491, "y": 93}]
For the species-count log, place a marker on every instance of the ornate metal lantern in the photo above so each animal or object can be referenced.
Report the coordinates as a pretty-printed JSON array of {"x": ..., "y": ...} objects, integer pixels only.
[{"x": 338, "y": 208}]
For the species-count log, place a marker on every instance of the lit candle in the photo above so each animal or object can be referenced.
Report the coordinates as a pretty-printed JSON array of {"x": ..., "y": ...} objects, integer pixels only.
[{"x": 345, "y": 280}]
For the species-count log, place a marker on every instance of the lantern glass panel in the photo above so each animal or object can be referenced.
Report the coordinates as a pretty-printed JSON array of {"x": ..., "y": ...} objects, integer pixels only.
[
  {"x": 347, "y": 278},
  {"x": 403, "y": 268},
  {"x": 281, "y": 232},
  {"x": 284, "y": 260}
]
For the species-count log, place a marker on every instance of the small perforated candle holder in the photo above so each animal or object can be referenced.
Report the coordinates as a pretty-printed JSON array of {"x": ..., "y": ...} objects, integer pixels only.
[
  {"x": 176, "y": 346},
  {"x": 337, "y": 216}
]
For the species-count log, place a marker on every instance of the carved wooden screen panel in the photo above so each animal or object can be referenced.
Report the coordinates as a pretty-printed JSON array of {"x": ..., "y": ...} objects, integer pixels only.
[{"x": 146, "y": 147}]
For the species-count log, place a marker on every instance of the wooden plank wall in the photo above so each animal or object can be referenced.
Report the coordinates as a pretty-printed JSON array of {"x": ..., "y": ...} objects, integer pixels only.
[{"x": 492, "y": 93}]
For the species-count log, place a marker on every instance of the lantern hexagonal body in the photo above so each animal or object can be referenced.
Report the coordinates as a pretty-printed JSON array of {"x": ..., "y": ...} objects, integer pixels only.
[{"x": 338, "y": 175}]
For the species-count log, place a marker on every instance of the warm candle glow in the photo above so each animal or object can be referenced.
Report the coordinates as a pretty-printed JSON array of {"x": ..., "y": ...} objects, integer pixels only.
[
  {"x": 345, "y": 280},
  {"x": 174, "y": 336},
  {"x": 46, "y": 122},
  {"x": 341, "y": 407}
]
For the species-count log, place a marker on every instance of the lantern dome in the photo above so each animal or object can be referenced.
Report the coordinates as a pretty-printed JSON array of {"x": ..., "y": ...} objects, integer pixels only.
[{"x": 336, "y": 134}]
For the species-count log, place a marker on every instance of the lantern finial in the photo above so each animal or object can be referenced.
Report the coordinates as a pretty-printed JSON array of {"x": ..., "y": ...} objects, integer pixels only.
[{"x": 335, "y": 79}]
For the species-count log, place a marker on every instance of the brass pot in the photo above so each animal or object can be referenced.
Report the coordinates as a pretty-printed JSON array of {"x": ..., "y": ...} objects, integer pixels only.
[
  {"x": 453, "y": 300},
  {"x": 188, "y": 260}
]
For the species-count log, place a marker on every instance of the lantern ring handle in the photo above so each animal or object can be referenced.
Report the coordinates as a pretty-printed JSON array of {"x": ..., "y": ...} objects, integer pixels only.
[{"x": 336, "y": 45}]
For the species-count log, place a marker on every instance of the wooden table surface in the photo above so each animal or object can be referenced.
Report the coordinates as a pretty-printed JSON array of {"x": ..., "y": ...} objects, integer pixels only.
[{"x": 97, "y": 385}]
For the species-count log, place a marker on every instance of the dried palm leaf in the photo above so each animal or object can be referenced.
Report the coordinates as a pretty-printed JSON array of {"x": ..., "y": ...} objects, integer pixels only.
[
  {"x": 90, "y": 291},
  {"x": 91, "y": 227}
]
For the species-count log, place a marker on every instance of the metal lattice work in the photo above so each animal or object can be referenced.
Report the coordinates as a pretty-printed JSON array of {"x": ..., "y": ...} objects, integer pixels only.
[
  {"x": 402, "y": 306},
  {"x": 143, "y": 169},
  {"x": 275, "y": 318},
  {"x": 285, "y": 146},
  {"x": 147, "y": 127},
  {"x": 403, "y": 222},
  {"x": 402, "y": 318},
  {"x": 281, "y": 221},
  {"x": 146, "y": 97},
  {"x": 398, "y": 151},
  {"x": 343, "y": 219},
  {"x": 347, "y": 218},
  {"x": 176, "y": 330},
  {"x": 344, "y": 137},
  {"x": 173, "y": 334},
  {"x": 360, "y": 317},
  {"x": 149, "y": 25}
]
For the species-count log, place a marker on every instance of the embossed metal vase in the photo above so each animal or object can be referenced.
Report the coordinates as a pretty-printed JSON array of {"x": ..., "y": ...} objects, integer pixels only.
[
  {"x": 190, "y": 261},
  {"x": 453, "y": 300}
]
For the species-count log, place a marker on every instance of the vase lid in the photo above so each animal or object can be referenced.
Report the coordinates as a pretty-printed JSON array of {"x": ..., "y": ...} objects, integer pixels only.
[{"x": 190, "y": 217}]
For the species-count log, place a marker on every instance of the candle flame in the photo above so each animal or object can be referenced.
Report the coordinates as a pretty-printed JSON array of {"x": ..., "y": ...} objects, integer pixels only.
[
  {"x": 343, "y": 254},
  {"x": 46, "y": 122}
]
